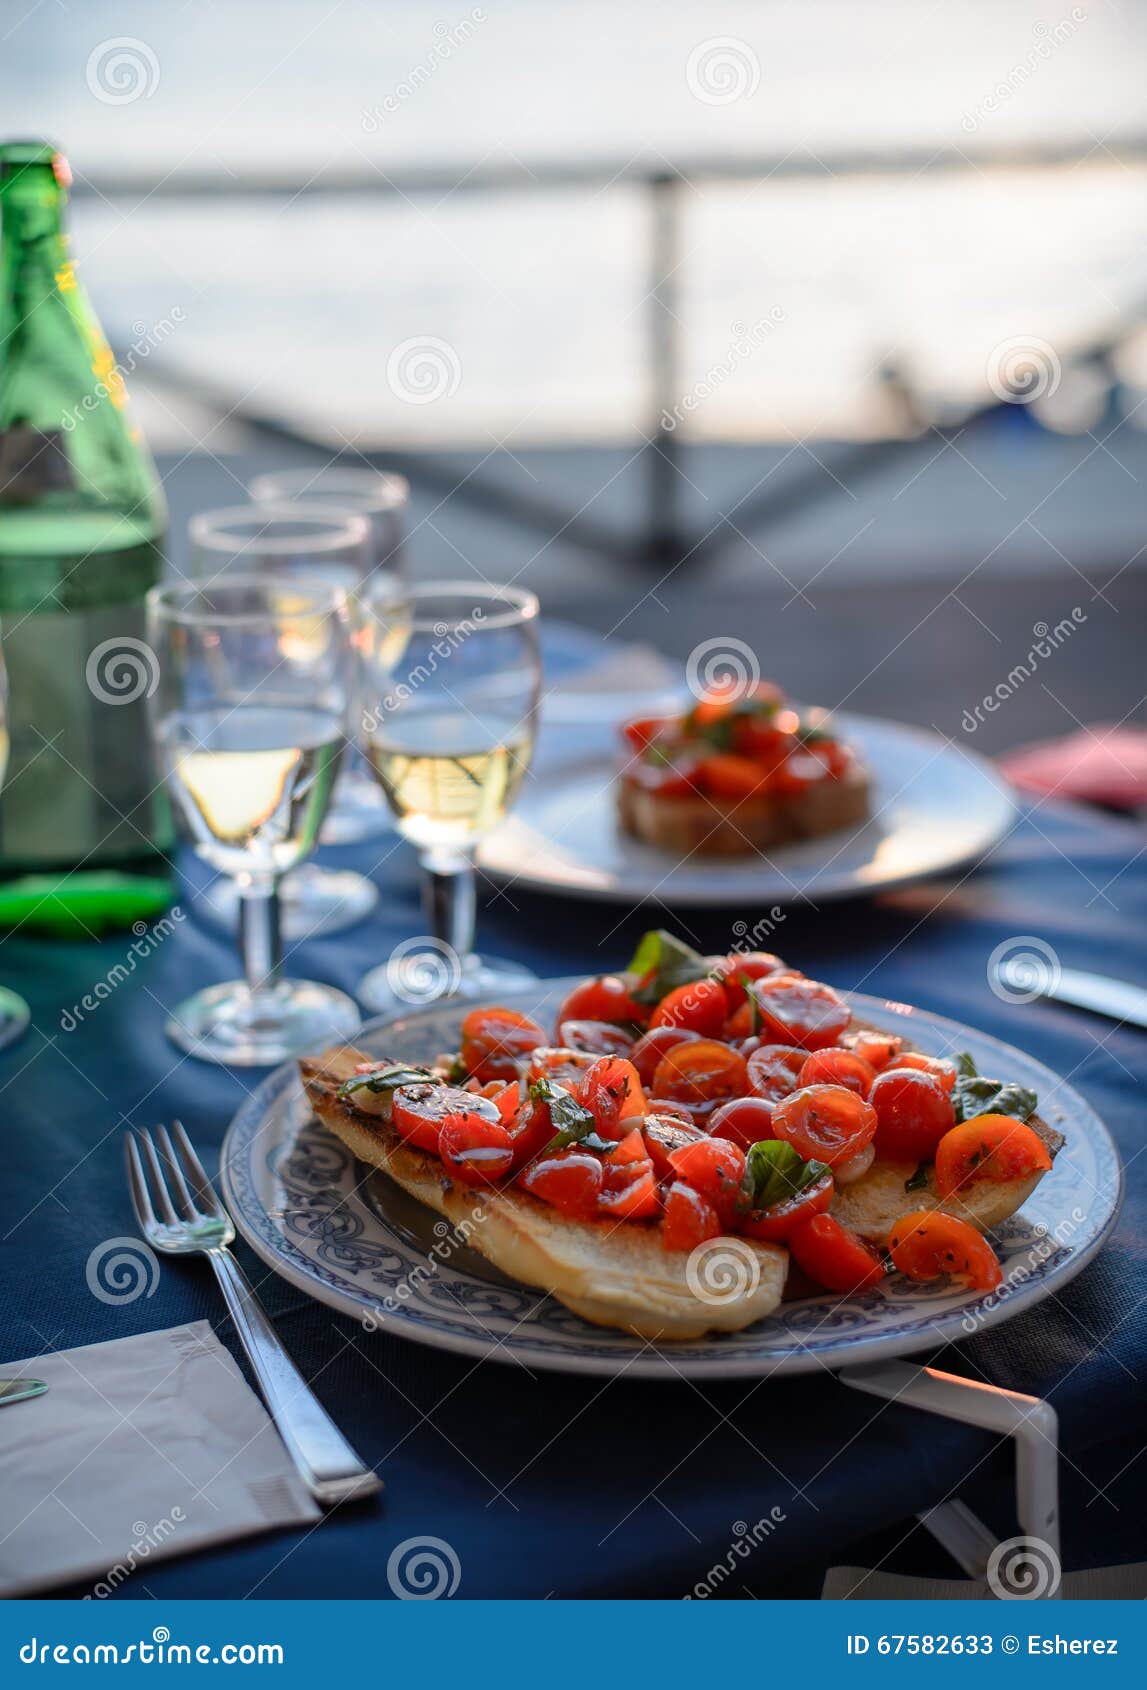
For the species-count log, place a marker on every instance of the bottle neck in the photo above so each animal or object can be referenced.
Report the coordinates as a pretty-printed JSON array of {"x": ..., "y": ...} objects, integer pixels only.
[{"x": 35, "y": 247}]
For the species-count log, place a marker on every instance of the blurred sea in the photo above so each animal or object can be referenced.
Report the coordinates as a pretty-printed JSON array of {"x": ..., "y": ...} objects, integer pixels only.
[{"x": 533, "y": 302}]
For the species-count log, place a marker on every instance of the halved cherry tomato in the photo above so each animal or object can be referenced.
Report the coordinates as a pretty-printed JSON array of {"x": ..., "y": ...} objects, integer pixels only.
[
  {"x": 701, "y": 1073},
  {"x": 880, "y": 1049},
  {"x": 671, "y": 776},
  {"x": 797, "y": 1011},
  {"x": 928, "y": 1243},
  {"x": 663, "y": 1135},
  {"x": 643, "y": 730},
  {"x": 776, "y": 1223},
  {"x": 554, "y": 1062},
  {"x": 494, "y": 1042},
  {"x": 651, "y": 1047},
  {"x": 700, "y": 1007},
  {"x": 715, "y": 1168},
  {"x": 505, "y": 1095},
  {"x": 730, "y": 777},
  {"x": 570, "y": 1179},
  {"x": 669, "y": 1109},
  {"x": 531, "y": 1131},
  {"x": 611, "y": 1091},
  {"x": 774, "y": 1070},
  {"x": 606, "y": 998},
  {"x": 601, "y": 1038},
  {"x": 629, "y": 1190},
  {"x": 713, "y": 708},
  {"x": 995, "y": 1147},
  {"x": 735, "y": 968},
  {"x": 689, "y": 1218},
  {"x": 835, "y": 1066},
  {"x": 913, "y": 1112},
  {"x": 743, "y": 1121},
  {"x": 937, "y": 1066},
  {"x": 475, "y": 1151},
  {"x": 835, "y": 1256},
  {"x": 825, "y": 1123},
  {"x": 419, "y": 1112},
  {"x": 837, "y": 758},
  {"x": 800, "y": 769}
]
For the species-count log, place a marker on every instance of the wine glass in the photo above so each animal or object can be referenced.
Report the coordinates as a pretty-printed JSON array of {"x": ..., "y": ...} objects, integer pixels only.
[
  {"x": 450, "y": 677},
  {"x": 14, "y": 1012},
  {"x": 359, "y": 810},
  {"x": 376, "y": 494},
  {"x": 249, "y": 719},
  {"x": 293, "y": 540}
]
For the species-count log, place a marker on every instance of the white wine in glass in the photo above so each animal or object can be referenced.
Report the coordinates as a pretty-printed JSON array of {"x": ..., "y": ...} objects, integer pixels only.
[
  {"x": 447, "y": 798},
  {"x": 294, "y": 540},
  {"x": 249, "y": 720},
  {"x": 451, "y": 675}
]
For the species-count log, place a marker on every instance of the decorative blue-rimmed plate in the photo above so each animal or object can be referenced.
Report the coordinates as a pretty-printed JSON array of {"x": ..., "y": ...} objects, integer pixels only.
[{"x": 346, "y": 1234}]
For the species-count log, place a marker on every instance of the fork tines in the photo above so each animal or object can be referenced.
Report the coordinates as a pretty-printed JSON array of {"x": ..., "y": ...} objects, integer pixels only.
[{"x": 153, "y": 1174}]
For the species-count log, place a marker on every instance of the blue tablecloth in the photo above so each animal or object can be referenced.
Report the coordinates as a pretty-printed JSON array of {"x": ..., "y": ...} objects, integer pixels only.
[{"x": 580, "y": 1488}]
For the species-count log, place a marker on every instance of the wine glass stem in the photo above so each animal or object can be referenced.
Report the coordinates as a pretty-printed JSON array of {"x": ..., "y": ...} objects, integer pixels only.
[
  {"x": 259, "y": 938},
  {"x": 449, "y": 898}
]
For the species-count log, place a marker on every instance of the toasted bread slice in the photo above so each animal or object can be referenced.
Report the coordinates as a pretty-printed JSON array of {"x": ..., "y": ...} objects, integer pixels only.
[
  {"x": 709, "y": 827},
  {"x": 615, "y": 1274},
  {"x": 876, "y": 1201}
]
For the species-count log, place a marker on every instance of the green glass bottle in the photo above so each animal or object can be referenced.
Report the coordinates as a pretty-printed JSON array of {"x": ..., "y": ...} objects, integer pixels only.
[{"x": 82, "y": 525}]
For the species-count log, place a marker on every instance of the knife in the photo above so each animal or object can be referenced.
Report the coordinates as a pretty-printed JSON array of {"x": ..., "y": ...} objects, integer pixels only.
[
  {"x": 19, "y": 1390},
  {"x": 1117, "y": 999}
]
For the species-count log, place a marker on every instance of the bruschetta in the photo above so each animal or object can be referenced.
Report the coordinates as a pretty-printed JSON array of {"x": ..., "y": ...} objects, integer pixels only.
[
  {"x": 738, "y": 776},
  {"x": 655, "y": 1159}
]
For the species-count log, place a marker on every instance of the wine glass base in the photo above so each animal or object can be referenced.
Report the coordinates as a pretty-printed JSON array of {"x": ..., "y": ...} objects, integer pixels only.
[
  {"x": 312, "y": 901},
  {"x": 397, "y": 988},
  {"x": 358, "y": 810},
  {"x": 14, "y": 1017},
  {"x": 228, "y": 1024}
]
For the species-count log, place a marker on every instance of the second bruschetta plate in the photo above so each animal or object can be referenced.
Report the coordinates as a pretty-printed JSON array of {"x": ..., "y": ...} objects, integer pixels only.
[
  {"x": 936, "y": 807},
  {"x": 348, "y": 1236}
]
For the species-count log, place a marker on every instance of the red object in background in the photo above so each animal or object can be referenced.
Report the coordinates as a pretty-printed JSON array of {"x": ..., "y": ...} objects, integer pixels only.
[{"x": 1099, "y": 765}]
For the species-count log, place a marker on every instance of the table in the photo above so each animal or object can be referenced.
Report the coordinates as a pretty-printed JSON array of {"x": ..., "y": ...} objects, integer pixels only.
[{"x": 578, "y": 1488}]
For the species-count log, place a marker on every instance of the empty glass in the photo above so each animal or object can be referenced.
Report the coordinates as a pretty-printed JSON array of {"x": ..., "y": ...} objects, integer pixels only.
[
  {"x": 249, "y": 718},
  {"x": 295, "y": 540},
  {"x": 451, "y": 674},
  {"x": 359, "y": 810}
]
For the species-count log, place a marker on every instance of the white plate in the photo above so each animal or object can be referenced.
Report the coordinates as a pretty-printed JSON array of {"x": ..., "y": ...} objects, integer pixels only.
[
  {"x": 935, "y": 807},
  {"x": 352, "y": 1239}
]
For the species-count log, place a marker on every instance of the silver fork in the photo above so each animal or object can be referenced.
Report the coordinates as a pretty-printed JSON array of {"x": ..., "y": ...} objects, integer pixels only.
[{"x": 196, "y": 1223}]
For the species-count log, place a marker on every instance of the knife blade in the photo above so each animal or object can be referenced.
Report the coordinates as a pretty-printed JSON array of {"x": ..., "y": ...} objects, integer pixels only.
[
  {"x": 19, "y": 1390},
  {"x": 1119, "y": 1000}
]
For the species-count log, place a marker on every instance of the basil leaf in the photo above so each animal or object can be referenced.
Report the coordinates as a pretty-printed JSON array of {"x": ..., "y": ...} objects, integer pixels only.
[
  {"x": 387, "y": 1079},
  {"x": 919, "y": 1179},
  {"x": 719, "y": 731},
  {"x": 774, "y": 1172},
  {"x": 574, "y": 1123},
  {"x": 659, "y": 754},
  {"x": 669, "y": 961},
  {"x": 974, "y": 1094}
]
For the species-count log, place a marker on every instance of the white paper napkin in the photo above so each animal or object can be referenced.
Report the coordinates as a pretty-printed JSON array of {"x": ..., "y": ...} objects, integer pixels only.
[{"x": 141, "y": 1449}]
